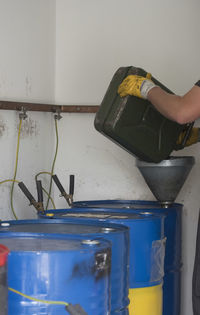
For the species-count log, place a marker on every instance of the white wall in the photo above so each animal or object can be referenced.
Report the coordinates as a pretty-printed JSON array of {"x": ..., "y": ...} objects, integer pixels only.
[
  {"x": 27, "y": 55},
  {"x": 66, "y": 51},
  {"x": 95, "y": 38}
]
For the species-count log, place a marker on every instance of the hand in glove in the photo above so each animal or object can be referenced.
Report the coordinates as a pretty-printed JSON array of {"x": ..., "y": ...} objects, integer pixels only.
[
  {"x": 136, "y": 85},
  {"x": 192, "y": 139}
]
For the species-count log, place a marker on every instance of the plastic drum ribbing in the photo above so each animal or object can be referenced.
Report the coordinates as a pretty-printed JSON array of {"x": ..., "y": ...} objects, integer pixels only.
[
  {"x": 48, "y": 268},
  {"x": 173, "y": 233},
  {"x": 3, "y": 279},
  {"x": 118, "y": 235}
]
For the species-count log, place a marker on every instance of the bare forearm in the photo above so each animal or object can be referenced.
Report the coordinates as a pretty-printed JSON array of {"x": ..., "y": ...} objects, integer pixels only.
[{"x": 182, "y": 109}]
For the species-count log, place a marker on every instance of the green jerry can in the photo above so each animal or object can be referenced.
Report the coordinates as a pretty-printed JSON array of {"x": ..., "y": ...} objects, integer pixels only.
[{"x": 135, "y": 125}]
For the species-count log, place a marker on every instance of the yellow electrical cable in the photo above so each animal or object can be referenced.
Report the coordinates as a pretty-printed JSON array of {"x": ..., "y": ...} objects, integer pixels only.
[
  {"x": 49, "y": 198},
  {"x": 54, "y": 161},
  {"x": 36, "y": 176},
  {"x": 17, "y": 181},
  {"x": 15, "y": 172},
  {"x": 38, "y": 300},
  {"x": 9, "y": 180}
]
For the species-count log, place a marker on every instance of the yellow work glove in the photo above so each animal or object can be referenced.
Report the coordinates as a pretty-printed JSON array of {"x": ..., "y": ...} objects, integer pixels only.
[
  {"x": 136, "y": 85},
  {"x": 193, "y": 137}
]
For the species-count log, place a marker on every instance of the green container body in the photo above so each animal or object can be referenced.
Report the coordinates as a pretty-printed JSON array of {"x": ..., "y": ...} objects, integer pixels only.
[{"x": 134, "y": 124}]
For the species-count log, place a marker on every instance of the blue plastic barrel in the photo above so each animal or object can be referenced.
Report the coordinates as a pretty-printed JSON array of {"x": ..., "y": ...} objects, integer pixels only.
[
  {"x": 45, "y": 272},
  {"x": 118, "y": 235},
  {"x": 147, "y": 247},
  {"x": 146, "y": 236},
  {"x": 173, "y": 233}
]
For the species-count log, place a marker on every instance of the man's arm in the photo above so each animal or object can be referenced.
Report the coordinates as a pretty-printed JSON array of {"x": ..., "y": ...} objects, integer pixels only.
[{"x": 182, "y": 109}]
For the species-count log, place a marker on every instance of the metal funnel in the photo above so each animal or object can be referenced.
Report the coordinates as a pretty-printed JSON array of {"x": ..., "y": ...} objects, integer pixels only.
[{"x": 165, "y": 179}]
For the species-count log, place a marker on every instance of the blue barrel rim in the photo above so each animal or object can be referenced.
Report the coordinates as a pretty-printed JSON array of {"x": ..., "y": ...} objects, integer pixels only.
[
  {"x": 114, "y": 227},
  {"x": 124, "y": 201},
  {"x": 144, "y": 215},
  {"x": 102, "y": 243}
]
